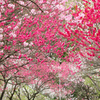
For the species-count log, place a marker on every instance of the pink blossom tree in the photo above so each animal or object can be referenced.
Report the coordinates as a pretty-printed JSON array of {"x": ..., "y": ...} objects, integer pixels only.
[
  {"x": 29, "y": 42},
  {"x": 37, "y": 36}
]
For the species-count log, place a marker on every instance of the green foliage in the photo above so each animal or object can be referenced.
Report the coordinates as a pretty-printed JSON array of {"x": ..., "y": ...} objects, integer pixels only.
[
  {"x": 53, "y": 56},
  {"x": 59, "y": 48},
  {"x": 64, "y": 54},
  {"x": 88, "y": 81},
  {"x": 77, "y": 92},
  {"x": 57, "y": 80}
]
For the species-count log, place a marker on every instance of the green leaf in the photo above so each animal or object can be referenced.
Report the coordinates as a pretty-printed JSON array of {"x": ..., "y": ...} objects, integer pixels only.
[
  {"x": 88, "y": 81},
  {"x": 64, "y": 54}
]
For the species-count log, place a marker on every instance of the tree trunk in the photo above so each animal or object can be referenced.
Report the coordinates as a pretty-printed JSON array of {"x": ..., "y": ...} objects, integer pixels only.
[{"x": 3, "y": 92}]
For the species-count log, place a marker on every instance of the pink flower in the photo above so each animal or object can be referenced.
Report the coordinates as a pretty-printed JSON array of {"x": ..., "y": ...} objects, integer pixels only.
[
  {"x": 2, "y": 2},
  {"x": 98, "y": 56},
  {"x": 12, "y": 34},
  {"x": 11, "y": 6},
  {"x": 33, "y": 11},
  {"x": 31, "y": 43},
  {"x": 5, "y": 47},
  {"x": 41, "y": 1},
  {"x": 61, "y": 7},
  {"x": 44, "y": 1},
  {"x": 20, "y": 56},
  {"x": 25, "y": 44},
  {"x": 1, "y": 30},
  {"x": 21, "y": 2},
  {"x": 68, "y": 17}
]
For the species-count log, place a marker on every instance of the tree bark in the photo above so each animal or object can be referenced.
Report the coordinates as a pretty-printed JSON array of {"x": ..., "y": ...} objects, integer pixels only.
[{"x": 3, "y": 92}]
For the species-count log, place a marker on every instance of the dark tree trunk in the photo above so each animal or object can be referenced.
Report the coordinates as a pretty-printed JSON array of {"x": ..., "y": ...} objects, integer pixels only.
[
  {"x": 3, "y": 92},
  {"x": 11, "y": 97}
]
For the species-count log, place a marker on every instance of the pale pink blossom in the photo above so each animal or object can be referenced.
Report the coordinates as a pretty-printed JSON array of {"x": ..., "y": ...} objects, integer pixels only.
[
  {"x": 68, "y": 17},
  {"x": 38, "y": 12},
  {"x": 11, "y": 6},
  {"x": 1, "y": 30},
  {"x": 9, "y": 26},
  {"x": 21, "y": 2},
  {"x": 19, "y": 23},
  {"x": 12, "y": 34},
  {"x": 33, "y": 11},
  {"x": 60, "y": 7},
  {"x": 41, "y": 1},
  {"x": 2, "y": 2},
  {"x": 31, "y": 43},
  {"x": 25, "y": 44},
  {"x": 1, "y": 43},
  {"x": 2, "y": 9},
  {"x": 54, "y": 2},
  {"x": 26, "y": 15},
  {"x": 1, "y": 51},
  {"x": 46, "y": 12},
  {"x": 63, "y": 1},
  {"x": 15, "y": 27},
  {"x": 81, "y": 14},
  {"x": 52, "y": 14},
  {"x": 62, "y": 16}
]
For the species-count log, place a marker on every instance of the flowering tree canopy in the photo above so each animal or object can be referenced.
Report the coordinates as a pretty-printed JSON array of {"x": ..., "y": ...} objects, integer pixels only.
[{"x": 42, "y": 39}]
